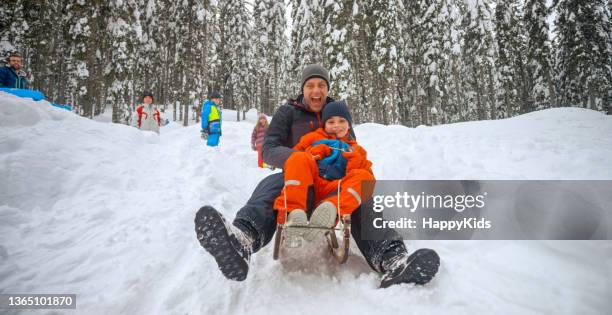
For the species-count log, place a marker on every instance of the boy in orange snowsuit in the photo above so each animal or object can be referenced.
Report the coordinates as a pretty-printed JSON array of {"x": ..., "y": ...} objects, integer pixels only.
[{"x": 301, "y": 172}]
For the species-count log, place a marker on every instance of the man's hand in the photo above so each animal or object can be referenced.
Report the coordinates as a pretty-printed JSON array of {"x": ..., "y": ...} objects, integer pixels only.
[
  {"x": 319, "y": 151},
  {"x": 204, "y": 134}
]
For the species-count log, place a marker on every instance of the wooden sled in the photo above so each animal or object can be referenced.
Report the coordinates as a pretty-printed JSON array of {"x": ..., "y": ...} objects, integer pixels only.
[{"x": 339, "y": 251}]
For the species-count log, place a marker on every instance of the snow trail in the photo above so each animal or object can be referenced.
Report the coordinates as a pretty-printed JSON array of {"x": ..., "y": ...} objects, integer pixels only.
[{"x": 106, "y": 211}]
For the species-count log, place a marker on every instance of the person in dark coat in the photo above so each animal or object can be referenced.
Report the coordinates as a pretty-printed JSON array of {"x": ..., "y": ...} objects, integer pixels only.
[
  {"x": 255, "y": 224},
  {"x": 12, "y": 76}
]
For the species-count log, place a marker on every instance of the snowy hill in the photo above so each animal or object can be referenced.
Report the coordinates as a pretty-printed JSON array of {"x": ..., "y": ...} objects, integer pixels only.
[{"x": 106, "y": 211}]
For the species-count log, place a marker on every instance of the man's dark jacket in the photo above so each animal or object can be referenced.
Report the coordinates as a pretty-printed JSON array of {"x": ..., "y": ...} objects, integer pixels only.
[
  {"x": 10, "y": 79},
  {"x": 290, "y": 122}
]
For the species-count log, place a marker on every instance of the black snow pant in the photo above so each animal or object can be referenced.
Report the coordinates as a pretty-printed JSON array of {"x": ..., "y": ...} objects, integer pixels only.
[{"x": 258, "y": 219}]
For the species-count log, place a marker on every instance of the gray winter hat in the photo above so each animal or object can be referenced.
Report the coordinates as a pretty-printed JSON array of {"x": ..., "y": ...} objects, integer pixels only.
[{"x": 314, "y": 71}]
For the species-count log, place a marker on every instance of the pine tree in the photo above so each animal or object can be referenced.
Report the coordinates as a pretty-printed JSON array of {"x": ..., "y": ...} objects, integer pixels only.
[
  {"x": 261, "y": 88},
  {"x": 277, "y": 39},
  {"x": 385, "y": 56},
  {"x": 450, "y": 81},
  {"x": 413, "y": 83},
  {"x": 584, "y": 51},
  {"x": 201, "y": 56},
  {"x": 146, "y": 48},
  {"x": 238, "y": 53},
  {"x": 511, "y": 74},
  {"x": 361, "y": 74},
  {"x": 270, "y": 26},
  {"x": 213, "y": 61},
  {"x": 84, "y": 21},
  {"x": 339, "y": 47},
  {"x": 14, "y": 26},
  {"x": 307, "y": 36},
  {"x": 437, "y": 22},
  {"x": 124, "y": 31},
  {"x": 273, "y": 42},
  {"x": 188, "y": 33},
  {"x": 162, "y": 34},
  {"x": 539, "y": 55},
  {"x": 478, "y": 57}
]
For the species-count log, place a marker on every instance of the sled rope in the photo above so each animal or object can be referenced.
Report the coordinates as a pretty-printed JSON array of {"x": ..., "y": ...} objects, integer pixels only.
[
  {"x": 287, "y": 183},
  {"x": 338, "y": 210}
]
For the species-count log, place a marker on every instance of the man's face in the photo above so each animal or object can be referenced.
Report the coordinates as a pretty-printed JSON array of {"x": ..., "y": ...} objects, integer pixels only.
[
  {"x": 315, "y": 93},
  {"x": 217, "y": 101},
  {"x": 147, "y": 100},
  {"x": 15, "y": 62}
]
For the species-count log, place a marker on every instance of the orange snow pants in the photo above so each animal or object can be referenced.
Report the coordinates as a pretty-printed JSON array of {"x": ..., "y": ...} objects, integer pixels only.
[{"x": 301, "y": 172}]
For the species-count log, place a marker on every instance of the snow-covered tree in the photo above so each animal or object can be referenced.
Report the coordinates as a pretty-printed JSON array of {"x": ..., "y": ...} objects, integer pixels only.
[
  {"x": 511, "y": 96},
  {"x": 270, "y": 42},
  {"x": 401, "y": 61},
  {"x": 14, "y": 26},
  {"x": 361, "y": 95},
  {"x": 339, "y": 46},
  {"x": 385, "y": 56},
  {"x": 238, "y": 51},
  {"x": 84, "y": 69},
  {"x": 478, "y": 57},
  {"x": 437, "y": 22},
  {"x": 539, "y": 59},
  {"x": 307, "y": 36},
  {"x": 146, "y": 48},
  {"x": 584, "y": 51},
  {"x": 124, "y": 29}
]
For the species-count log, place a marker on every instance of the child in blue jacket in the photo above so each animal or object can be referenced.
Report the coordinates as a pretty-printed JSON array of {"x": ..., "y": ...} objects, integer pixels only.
[{"x": 211, "y": 119}]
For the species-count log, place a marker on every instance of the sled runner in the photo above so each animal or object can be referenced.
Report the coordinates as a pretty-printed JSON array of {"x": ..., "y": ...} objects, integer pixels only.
[{"x": 288, "y": 235}]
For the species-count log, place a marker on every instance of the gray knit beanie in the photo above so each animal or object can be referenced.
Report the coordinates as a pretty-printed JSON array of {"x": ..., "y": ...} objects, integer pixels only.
[{"x": 314, "y": 71}]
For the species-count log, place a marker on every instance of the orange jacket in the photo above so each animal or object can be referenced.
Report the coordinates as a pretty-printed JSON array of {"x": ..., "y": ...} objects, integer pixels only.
[{"x": 357, "y": 159}]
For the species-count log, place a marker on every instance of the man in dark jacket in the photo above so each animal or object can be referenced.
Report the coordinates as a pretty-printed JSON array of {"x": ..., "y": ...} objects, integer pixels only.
[
  {"x": 255, "y": 224},
  {"x": 12, "y": 76}
]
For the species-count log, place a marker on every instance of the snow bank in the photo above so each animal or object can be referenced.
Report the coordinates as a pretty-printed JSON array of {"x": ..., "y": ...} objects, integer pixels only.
[
  {"x": 561, "y": 143},
  {"x": 106, "y": 211}
]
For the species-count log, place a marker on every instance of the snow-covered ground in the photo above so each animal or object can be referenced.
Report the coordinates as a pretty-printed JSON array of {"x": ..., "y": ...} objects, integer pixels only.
[{"x": 106, "y": 211}]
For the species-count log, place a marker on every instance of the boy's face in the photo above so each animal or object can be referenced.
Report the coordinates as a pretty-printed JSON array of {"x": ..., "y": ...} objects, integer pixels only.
[
  {"x": 147, "y": 100},
  {"x": 337, "y": 125}
]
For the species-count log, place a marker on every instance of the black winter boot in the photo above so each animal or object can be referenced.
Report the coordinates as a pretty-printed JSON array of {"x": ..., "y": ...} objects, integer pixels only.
[
  {"x": 230, "y": 246},
  {"x": 418, "y": 268}
]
